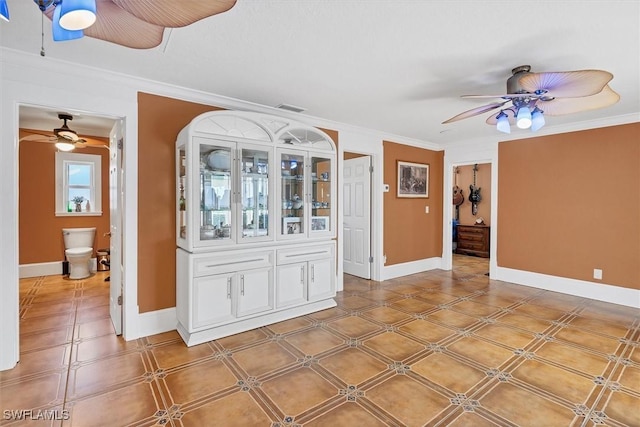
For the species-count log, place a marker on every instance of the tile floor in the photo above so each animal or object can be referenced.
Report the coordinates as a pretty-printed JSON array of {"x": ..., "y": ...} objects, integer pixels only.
[{"x": 441, "y": 348}]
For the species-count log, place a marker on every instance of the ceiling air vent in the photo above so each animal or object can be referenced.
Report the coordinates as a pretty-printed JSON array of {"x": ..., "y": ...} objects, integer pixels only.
[{"x": 290, "y": 107}]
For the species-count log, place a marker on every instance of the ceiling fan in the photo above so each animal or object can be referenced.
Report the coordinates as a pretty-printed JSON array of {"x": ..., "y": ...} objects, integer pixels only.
[
  {"x": 137, "y": 24},
  {"x": 64, "y": 138},
  {"x": 531, "y": 96}
]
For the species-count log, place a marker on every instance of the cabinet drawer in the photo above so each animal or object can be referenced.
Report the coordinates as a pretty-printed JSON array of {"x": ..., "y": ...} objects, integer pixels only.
[
  {"x": 288, "y": 256},
  {"x": 216, "y": 264},
  {"x": 470, "y": 237},
  {"x": 472, "y": 229}
]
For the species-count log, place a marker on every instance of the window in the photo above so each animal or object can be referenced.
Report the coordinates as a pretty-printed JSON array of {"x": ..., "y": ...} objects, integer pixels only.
[{"x": 78, "y": 184}]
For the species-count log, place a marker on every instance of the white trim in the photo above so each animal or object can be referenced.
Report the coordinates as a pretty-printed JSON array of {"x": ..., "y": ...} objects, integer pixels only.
[
  {"x": 597, "y": 291},
  {"x": 157, "y": 322},
  {"x": 47, "y": 269},
  {"x": 413, "y": 267},
  {"x": 40, "y": 269}
]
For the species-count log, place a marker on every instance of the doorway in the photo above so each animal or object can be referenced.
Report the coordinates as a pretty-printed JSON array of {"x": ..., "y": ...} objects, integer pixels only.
[
  {"x": 356, "y": 191},
  {"x": 39, "y": 220},
  {"x": 471, "y": 216}
]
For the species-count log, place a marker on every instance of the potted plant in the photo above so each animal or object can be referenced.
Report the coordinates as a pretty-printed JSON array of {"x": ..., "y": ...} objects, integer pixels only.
[{"x": 78, "y": 202}]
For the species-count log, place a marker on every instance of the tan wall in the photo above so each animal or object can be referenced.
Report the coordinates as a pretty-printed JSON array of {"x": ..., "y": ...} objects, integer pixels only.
[
  {"x": 483, "y": 181},
  {"x": 570, "y": 203},
  {"x": 409, "y": 233},
  {"x": 40, "y": 230},
  {"x": 159, "y": 121}
]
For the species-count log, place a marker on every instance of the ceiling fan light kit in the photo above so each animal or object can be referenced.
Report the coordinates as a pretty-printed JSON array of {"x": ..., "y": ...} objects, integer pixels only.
[
  {"x": 4, "y": 10},
  {"x": 65, "y": 146},
  {"x": 532, "y": 95},
  {"x": 61, "y": 34},
  {"x": 77, "y": 14}
]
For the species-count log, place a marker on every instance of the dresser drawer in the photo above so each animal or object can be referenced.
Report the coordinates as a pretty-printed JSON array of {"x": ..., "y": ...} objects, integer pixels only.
[{"x": 472, "y": 237}]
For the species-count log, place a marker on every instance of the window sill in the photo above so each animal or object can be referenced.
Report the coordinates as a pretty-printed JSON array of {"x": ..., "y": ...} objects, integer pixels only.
[{"x": 96, "y": 213}]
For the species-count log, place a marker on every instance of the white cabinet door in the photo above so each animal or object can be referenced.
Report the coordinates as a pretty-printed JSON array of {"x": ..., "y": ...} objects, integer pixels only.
[
  {"x": 212, "y": 300},
  {"x": 291, "y": 284},
  {"x": 255, "y": 291},
  {"x": 321, "y": 282}
]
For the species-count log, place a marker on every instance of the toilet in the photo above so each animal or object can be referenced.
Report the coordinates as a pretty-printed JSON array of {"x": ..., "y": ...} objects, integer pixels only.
[{"x": 78, "y": 248}]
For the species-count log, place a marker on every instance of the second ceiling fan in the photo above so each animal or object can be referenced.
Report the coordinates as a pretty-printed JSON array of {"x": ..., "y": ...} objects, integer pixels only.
[{"x": 531, "y": 96}]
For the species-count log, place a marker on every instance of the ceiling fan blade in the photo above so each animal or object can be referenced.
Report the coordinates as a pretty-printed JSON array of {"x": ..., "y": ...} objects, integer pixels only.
[
  {"x": 37, "y": 138},
  {"x": 560, "y": 106},
  {"x": 504, "y": 96},
  {"x": 567, "y": 84},
  {"x": 116, "y": 25},
  {"x": 475, "y": 111},
  {"x": 493, "y": 120},
  {"x": 172, "y": 13}
]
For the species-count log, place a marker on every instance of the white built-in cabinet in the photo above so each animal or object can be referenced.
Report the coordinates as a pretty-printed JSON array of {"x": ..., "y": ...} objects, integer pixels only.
[{"x": 255, "y": 223}]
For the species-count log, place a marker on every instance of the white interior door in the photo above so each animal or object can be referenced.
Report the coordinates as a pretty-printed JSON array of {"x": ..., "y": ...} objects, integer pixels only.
[
  {"x": 116, "y": 211},
  {"x": 357, "y": 216}
]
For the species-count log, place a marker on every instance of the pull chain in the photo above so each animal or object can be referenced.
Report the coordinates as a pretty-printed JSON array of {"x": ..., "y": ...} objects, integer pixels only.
[{"x": 42, "y": 39}]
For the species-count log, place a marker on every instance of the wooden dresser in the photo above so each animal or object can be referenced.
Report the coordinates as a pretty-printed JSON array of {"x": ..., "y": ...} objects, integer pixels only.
[{"x": 473, "y": 240}]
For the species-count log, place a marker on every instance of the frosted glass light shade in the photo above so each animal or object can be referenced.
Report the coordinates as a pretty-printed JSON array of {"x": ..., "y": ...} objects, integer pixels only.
[
  {"x": 523, "y": 119},
  {"x": 537, "y": 120},
  {"x": 503, "y": 123},
  {"x": 59, "y": 33},
  {"x": 77, "y": 14},
  {"x": 4, "y": 10},
  {"x": 65, "y": 146}
]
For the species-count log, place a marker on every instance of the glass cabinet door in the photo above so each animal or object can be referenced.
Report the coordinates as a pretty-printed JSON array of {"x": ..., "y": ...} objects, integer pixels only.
[
  {"x": 292, "y": 193},
  {"x": 321, "y": 192},
  {"x": 215, "y": 192},
  {"x": 254, "y": 191}
]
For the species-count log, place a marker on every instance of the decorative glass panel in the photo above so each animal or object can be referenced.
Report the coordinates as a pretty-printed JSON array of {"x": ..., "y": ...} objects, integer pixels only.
[
  {"x": 254, "y": 168},
  {"x": 215, "y": 192},
  {"x": 293, "y": 193},
  {"x": 321, "y": 202}
]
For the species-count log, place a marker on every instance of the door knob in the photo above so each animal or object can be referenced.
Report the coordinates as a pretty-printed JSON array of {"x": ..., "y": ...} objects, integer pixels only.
[{"x": 108, "y": 234}]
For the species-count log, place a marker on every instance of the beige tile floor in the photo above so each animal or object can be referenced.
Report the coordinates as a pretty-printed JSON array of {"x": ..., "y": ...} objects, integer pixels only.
[{"x": 440, "y": 348}]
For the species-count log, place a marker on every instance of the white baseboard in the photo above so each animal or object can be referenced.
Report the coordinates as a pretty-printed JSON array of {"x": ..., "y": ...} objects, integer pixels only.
[
  {"x": 413, "y": 267},
  {"x": 40, "y": 269},
  {"x": 46, "y": 269},
  {"x": 157, "y": 322},
  {"x": 597, "y": 291}
]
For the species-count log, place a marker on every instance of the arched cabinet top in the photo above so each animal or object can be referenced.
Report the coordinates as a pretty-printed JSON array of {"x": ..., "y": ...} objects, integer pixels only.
[{"x": 258, "y": 127}]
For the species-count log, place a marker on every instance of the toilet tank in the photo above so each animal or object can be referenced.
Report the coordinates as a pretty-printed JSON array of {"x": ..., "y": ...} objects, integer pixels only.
[{"x": 78, "y": 237}]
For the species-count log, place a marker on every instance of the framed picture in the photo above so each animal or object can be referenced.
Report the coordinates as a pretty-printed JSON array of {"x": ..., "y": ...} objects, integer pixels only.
[
  {"x": 291, "y": 225},
  {"x": 413, "y": 179},
  {"x": 319, "y": 223}
]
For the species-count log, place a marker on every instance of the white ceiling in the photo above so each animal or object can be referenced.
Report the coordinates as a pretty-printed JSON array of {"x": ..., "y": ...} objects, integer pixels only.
[{"x": 398, "y": 66}]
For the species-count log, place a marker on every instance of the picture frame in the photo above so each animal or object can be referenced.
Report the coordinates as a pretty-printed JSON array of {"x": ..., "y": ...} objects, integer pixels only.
[
  {"x": 319, "y": 223},
  {"x": 413, "y": 180},
  {"x": 291, "y": 225}
]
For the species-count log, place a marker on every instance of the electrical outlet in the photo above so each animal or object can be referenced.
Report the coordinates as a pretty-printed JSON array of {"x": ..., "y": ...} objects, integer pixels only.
[
  {"x": 384, "y": 259},
  {"x": 426, "y": 209},
  {"x": 597, "y": 273}
]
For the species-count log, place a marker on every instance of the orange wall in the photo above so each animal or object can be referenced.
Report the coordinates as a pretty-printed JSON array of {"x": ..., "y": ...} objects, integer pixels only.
[
  {"x": 570, "y": 203},
  {"x": 40, "y": 231},
  {"x": 483, "y": 181},
  {"x": 409, "y": 233},
  {"x": 159, "y": 121}
]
